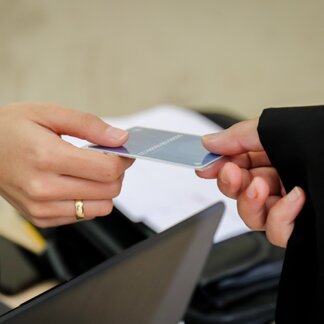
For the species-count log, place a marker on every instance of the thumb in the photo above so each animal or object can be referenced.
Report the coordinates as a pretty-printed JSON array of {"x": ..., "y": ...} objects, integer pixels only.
[
  {"x": 240, "y": 138},
  {"x": 86, "y": 126}
]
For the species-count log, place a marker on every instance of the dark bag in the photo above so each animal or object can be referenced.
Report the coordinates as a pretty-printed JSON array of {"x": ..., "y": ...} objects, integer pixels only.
[{"x": 239, "y": 282}]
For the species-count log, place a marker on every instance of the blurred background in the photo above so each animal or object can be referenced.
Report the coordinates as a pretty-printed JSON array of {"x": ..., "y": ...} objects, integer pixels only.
[{"x": 114, "y": 57}]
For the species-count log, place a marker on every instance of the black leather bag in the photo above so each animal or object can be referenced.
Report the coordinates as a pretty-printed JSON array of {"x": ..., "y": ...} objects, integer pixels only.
[{"x": 239, "y": 282}]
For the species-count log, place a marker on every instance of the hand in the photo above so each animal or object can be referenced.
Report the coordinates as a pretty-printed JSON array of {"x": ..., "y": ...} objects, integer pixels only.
[
  {"x": 42, "y": 175},
  {"x": 245, "y": 174}
]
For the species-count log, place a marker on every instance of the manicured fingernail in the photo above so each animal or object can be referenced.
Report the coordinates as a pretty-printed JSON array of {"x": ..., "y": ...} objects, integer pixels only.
[
  {"x": 294, "y": 194},
  {"x": 251, "y": 191},
  {"x": 116, "y": 133}
]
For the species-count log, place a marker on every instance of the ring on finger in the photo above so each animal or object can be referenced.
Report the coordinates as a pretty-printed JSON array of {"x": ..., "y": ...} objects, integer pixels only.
[{"x": 79, "y": 210}]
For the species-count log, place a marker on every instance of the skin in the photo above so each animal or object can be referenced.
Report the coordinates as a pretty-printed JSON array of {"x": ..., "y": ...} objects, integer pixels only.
[
  {"x": 246, "y": 175},
  {"x": 42, "y": 175}
]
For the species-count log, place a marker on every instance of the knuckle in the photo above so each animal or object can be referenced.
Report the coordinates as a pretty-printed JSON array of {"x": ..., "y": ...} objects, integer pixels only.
[
  {"x": 247, "y": 218},
  {"x": 114, "y": 170},
  {"x": 276, "y": 216},
  {"x": 249, "y": 224},
  {"x": 109, "y": 207},
  {"x": 105, "y": 208},
  {"x": 43, "y": 158},
  {"x": 37, "y": 189},
  {"x": 87, "y": 119},
  {"x": 36, "y": 212},
  {"x": 227, "y": 190},
  {"x": 116, "y": 189},
  {"x": 39, "y": 223},
  {"x": 270, "y": 237}
]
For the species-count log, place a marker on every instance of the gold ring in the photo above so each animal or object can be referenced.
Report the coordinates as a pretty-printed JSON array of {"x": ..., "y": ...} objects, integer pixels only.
[{"x": 79, "y": 210}]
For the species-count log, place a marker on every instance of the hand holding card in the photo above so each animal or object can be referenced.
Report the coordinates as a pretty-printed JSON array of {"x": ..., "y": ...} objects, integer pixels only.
[{"x": 162, "y": 146}]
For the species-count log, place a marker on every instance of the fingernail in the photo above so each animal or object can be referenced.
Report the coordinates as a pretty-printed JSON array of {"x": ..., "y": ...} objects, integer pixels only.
[
  {"x": 224, "y": 178},
  {"x": 294, "y": 194},
  {"x": 116, "y": 133},
  {"x": 209, "y": 137},
  {"x": 251, "y": 191}
]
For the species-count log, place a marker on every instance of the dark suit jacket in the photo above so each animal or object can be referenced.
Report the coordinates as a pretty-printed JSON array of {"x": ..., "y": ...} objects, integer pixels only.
[{"x": 293, "y": 139}]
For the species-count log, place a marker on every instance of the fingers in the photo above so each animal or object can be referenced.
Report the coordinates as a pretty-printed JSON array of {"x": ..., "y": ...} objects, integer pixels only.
[
  {"x": 232, "y": 180},
  {"x": 212, "y": 171},
  {"x": 42, "y": 174},
  {"x": 95, "y": 166},
  {"x": 281, "y": 217},
  {"x": 55, "y": 213},
  {"x": 245, "y": 174},
  {"x": 247, "y": 160},
  {"x": 260, "y": 202},
  {"x": 240, "y": 138},
  {"x": 48, "y": 200},
  {"x": 251, "y": 204},
  {"x": 53, "y": 187},
  {"x": 87, "y": 126},
  {"x": 273, "y": 214},
  {"x": 73, "y": 161}
]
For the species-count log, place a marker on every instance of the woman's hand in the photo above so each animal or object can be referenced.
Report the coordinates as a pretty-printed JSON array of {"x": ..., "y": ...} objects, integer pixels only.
[
  {"x": 245, "y": 174},
  {"x": 42, "y": 175}
]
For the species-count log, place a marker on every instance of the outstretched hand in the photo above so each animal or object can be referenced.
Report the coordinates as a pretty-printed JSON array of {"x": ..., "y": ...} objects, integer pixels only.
[
  {"x": 42, "y": 175},
  {"x": 246, "y": 174}
]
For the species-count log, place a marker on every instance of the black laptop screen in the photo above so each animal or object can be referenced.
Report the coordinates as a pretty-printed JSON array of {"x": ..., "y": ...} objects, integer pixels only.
[{"x": 151, "y": 282}]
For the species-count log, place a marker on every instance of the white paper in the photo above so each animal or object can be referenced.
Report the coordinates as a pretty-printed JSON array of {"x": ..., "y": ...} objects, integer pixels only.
[{"x": 162, "y": 195}]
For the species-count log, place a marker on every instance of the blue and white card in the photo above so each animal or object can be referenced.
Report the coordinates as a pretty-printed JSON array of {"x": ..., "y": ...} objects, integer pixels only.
[{"x": 162, "y": 146}]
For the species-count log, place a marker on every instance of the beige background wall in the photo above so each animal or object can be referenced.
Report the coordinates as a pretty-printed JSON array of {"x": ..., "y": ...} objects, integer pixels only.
[{"x": 116, "y": 57}]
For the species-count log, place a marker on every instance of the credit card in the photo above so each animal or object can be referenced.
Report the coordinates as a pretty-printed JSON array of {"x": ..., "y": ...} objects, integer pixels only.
[{"x": 162, "y": 146}]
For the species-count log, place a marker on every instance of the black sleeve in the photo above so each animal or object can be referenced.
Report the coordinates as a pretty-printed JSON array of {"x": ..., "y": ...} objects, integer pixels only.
[{"x": 293, "y": 139}]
